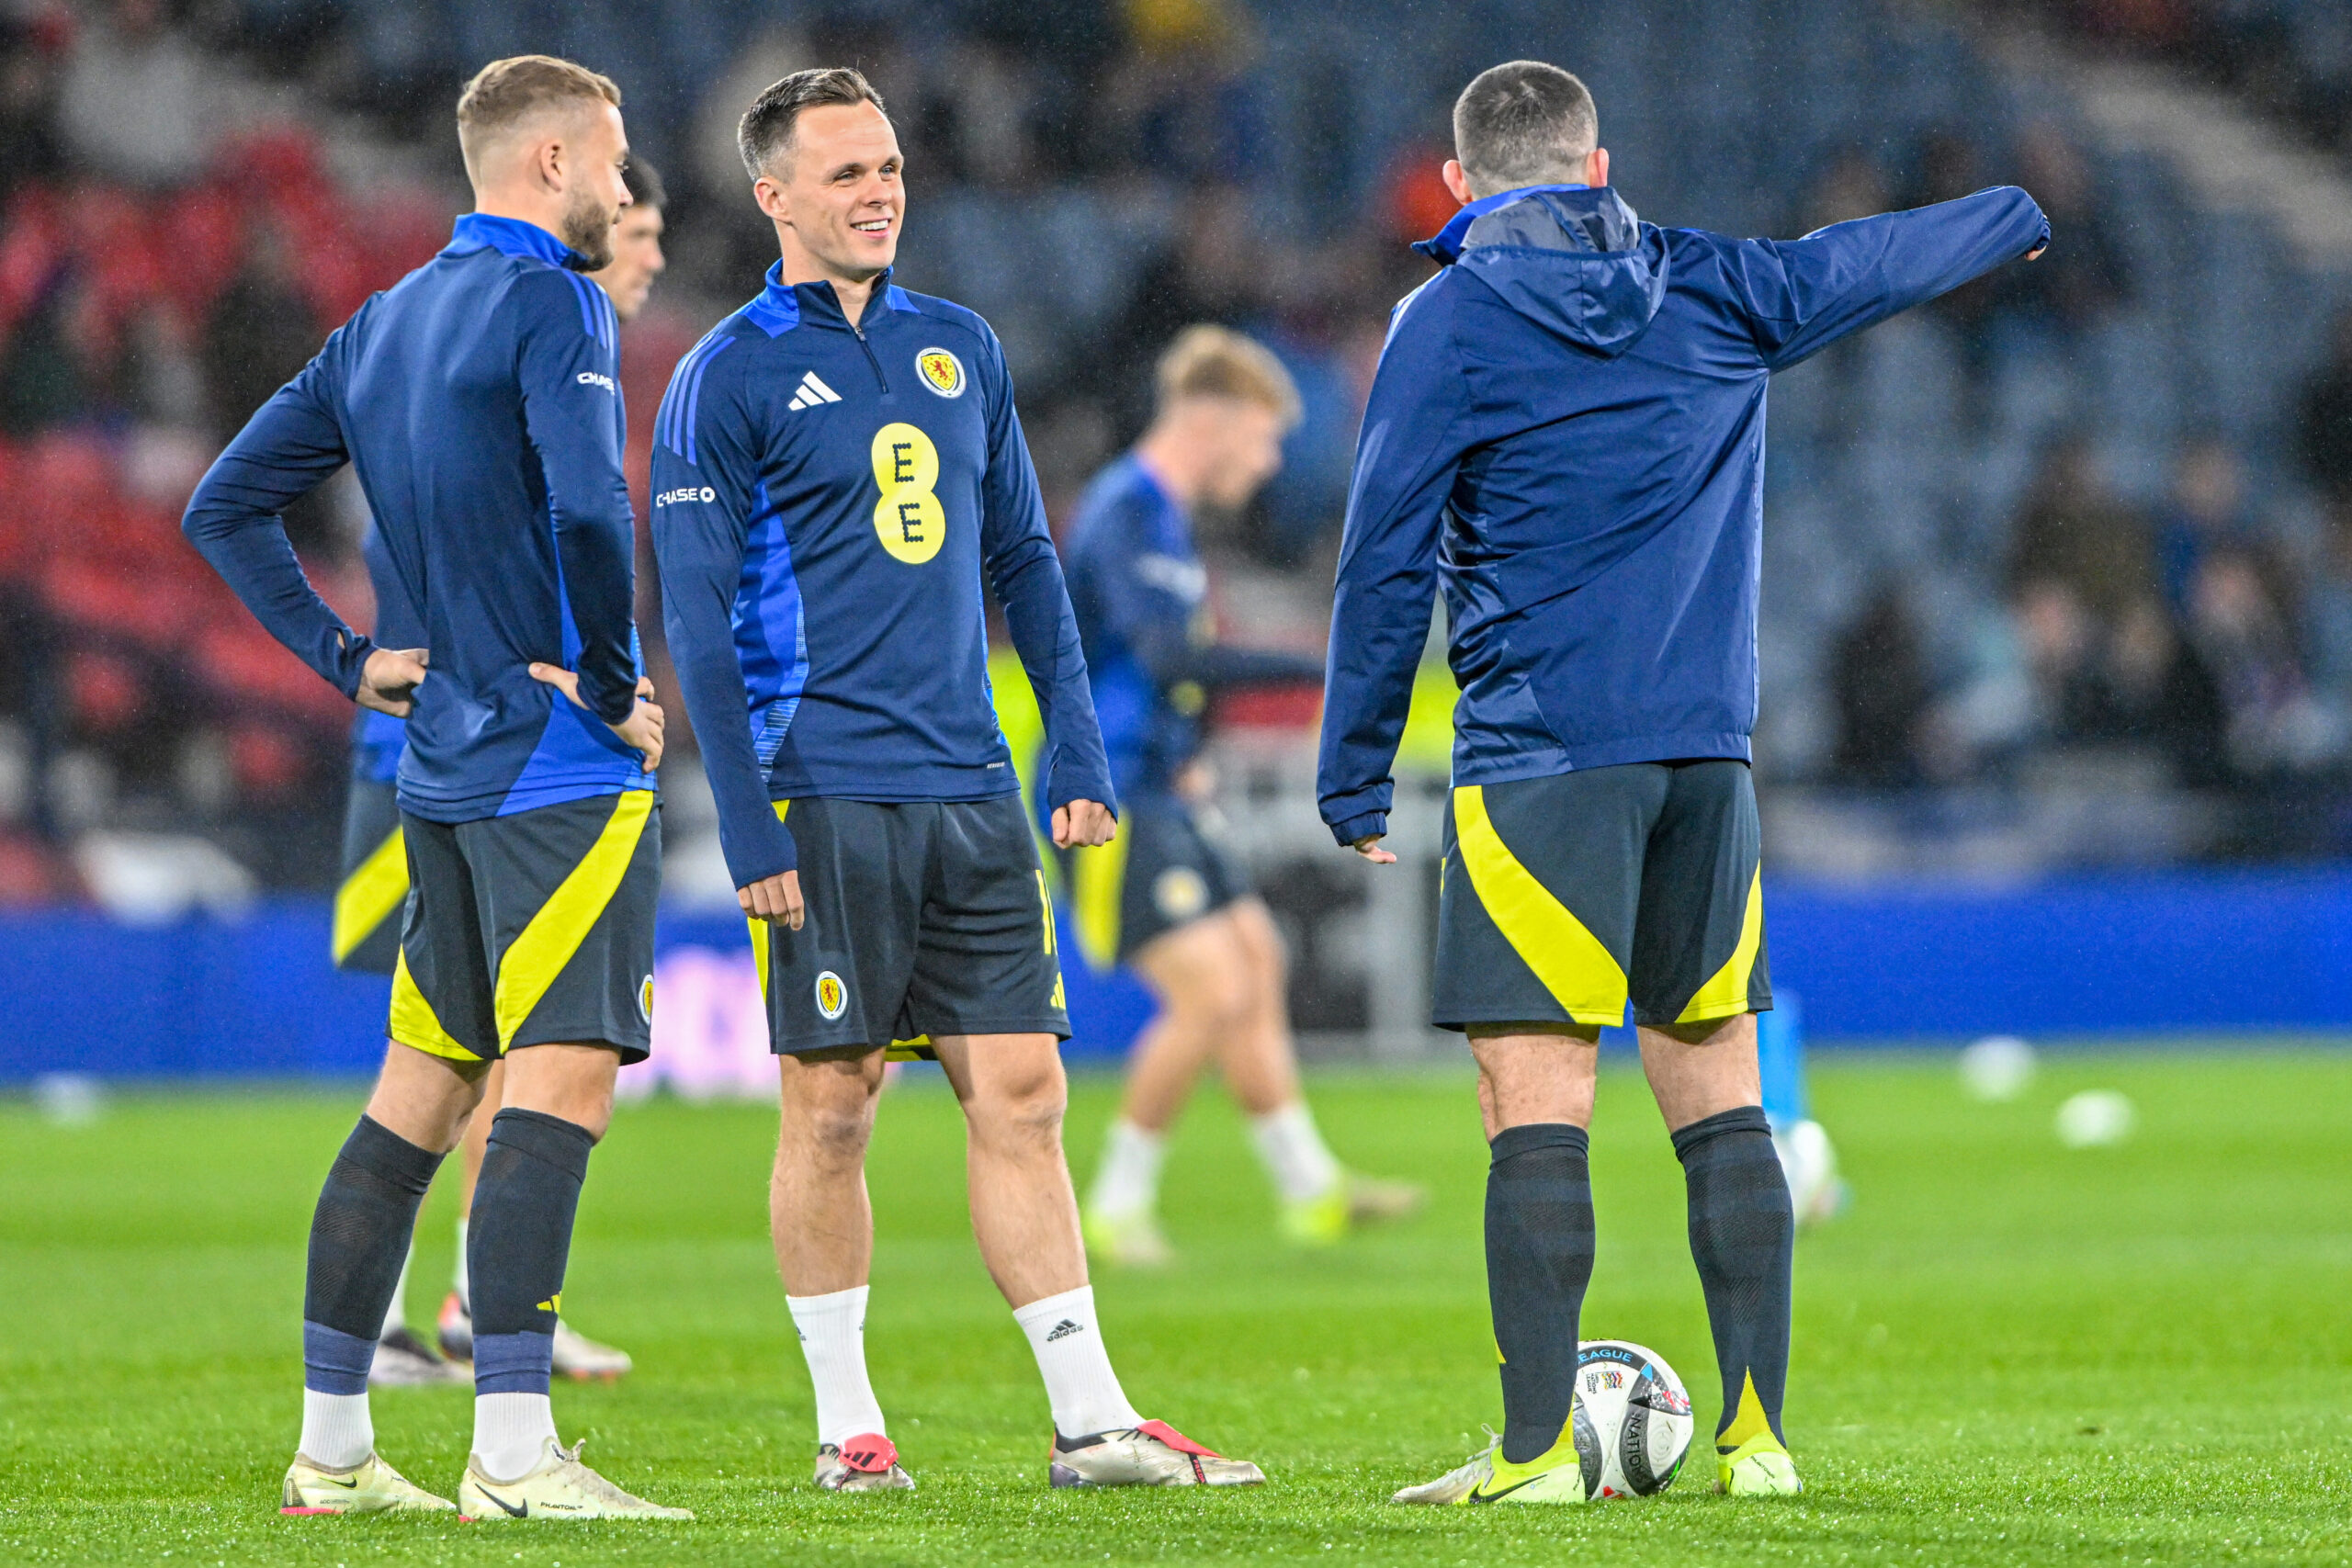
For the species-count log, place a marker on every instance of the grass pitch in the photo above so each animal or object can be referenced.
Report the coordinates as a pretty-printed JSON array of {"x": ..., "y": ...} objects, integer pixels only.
[{"x": 2005, "y": 1352}]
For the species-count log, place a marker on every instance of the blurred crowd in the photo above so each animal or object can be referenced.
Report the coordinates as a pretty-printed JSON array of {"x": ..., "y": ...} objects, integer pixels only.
[{"x": 191, "y": 197}]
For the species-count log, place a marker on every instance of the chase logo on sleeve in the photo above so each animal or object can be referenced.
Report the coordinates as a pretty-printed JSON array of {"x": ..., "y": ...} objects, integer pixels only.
[
  {"x": 592, "y": 378},
  {"x": 941, "y": 371},
  {"x": 691, "y": 492}
]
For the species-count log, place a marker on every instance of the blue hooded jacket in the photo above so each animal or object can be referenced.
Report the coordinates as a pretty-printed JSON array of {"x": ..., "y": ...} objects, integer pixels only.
[{"x": 1567, "y": 434}]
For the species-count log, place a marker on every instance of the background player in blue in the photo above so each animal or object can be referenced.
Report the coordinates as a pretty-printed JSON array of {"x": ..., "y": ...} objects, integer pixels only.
[
  {"x": 374, "y": 891},
  {"x": 478, "y": 401},
  {"x": 1164, "y": 896},
  {"x": 1566, "y": 431},
  {"x": 837, "y": 469}
]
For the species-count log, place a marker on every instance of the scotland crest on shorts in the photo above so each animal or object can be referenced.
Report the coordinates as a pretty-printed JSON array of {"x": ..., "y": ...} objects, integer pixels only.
[
  {"x": 941, "y": 371},
  {"x": 832, "y": 996}
]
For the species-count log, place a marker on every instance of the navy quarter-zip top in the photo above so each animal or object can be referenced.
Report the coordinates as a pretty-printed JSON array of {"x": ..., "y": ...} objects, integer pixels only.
[
  {"x": 479, "y": 401},
  {"x": 830, "y": 498}
]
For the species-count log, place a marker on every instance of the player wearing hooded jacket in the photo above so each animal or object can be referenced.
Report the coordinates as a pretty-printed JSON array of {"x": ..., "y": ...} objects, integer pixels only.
[{"x": 1565, "y": 435}]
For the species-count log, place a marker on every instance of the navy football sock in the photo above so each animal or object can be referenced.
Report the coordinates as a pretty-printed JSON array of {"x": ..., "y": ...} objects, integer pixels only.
[
  {"x": 516, "y": 1242},
  {"x": 359, "y": 1236},
  {"x": 1743, "y": 1237},
  {"x": 1538, "y": 1260}
]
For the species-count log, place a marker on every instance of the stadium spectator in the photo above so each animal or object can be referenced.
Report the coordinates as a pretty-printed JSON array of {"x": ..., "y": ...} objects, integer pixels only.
[
  {"x": 2206, "y": 511},
  {"x": 1213, "y": 269},
  {"x": 2075, "y": 532}
]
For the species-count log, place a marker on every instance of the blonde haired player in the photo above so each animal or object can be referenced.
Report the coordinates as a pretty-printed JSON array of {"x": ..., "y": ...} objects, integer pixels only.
[{"x": 1165, "y": 898}]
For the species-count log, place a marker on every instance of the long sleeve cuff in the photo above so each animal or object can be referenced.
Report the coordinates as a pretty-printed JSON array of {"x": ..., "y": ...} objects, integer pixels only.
[{"x": 1365, "y": 825}]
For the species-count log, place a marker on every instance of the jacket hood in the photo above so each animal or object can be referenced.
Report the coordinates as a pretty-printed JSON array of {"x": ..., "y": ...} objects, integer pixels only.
[{"x": 1573, "y": 259}]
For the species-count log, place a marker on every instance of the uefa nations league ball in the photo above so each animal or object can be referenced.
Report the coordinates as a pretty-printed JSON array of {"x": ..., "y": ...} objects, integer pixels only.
[{"x": 1635, "y": 1415}]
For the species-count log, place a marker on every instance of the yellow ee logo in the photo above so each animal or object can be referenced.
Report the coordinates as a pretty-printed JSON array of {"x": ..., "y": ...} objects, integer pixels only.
[{"x": 908, "y": 519}]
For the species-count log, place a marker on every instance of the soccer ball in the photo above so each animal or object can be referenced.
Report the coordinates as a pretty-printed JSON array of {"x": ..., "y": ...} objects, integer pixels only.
[{"x": 1635, "y": 1416}]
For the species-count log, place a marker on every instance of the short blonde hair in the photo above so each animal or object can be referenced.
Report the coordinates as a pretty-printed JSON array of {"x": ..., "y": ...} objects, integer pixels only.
[
  {"x": 506, "y": 93},
  {"x": 1217, "y": 362}
]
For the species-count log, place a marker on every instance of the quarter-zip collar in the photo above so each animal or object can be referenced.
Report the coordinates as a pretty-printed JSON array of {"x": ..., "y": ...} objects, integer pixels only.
[
  {"x": 511, "y": 237},
  {"x": 783, "y": 306}
]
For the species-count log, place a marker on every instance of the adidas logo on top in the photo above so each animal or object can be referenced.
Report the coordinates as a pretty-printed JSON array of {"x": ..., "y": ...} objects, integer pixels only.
[
  {"x": 1063, "y": 1330},
  {"x": 812, "y": 392}
]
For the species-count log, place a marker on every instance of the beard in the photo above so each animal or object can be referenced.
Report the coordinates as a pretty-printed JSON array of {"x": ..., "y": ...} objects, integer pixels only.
[{"x": 587, "y": 227}]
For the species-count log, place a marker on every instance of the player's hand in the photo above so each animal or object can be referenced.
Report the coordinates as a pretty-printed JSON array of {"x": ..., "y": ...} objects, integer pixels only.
[
  {"x": 1369, "y": 846},
  {"x": 388, "y": 682},
  {"x": 1083, "y": 824},
  {"x": 2035, "y": 253},
  {"x": 776, "y": 899},
  {"x": 641, "y": 729}
]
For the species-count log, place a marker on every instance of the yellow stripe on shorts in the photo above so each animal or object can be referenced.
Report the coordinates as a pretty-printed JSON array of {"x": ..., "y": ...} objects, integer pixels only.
[
  {"x": 1097, "y": 879},
  {"x": 1583, "y": 976},
  {"x": 761, "y": 933},
  {"x": 536, "y": 956},
  {"x": 1726, "y": 996},
  {"x": 376, "y": 888},
  {"x": 415, "y": 1023}
]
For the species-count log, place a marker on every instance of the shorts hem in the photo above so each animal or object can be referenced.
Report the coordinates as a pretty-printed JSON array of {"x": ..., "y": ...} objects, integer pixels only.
[
  {"x": 440, "y": 1048},
  {"x": 630, "y": 1052},
  {"x": 1712, "y": 1015}
]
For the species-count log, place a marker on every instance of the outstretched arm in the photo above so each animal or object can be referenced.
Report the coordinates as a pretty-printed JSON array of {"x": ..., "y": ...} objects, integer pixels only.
[{"x": 1803, "y": 295}]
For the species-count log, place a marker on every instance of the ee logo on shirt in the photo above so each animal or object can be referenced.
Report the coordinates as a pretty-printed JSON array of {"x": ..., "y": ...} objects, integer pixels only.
[{"x": 909, "y": 519}]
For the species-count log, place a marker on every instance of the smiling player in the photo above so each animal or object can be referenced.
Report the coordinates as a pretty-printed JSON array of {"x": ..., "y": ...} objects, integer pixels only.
[{"x": 838, "y": 469}]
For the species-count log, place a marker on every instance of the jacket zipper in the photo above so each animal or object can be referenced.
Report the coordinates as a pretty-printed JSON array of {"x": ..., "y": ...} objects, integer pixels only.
[{"x": 870, "y": 359}]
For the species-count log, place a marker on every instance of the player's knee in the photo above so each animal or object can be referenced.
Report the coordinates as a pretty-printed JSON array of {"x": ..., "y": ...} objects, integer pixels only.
[
  {"x": 1023, "y": 1105},
  {"x": 839, "y": 1132}
]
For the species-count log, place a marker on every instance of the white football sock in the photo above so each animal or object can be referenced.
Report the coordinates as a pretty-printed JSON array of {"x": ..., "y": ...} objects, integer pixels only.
[
  {"x": 337, "y": 1431},
  {"x": 457, "y": 1281},
  {"x": 832, "y": 1340},
  {"x": 1128, "y": 1181},
  {"x": 509, "y": 1429},
  {"x": 1082, "y": 1389},
  {"x": 396, "y": 1315},
  {"x": 1302, "y": 1167}
]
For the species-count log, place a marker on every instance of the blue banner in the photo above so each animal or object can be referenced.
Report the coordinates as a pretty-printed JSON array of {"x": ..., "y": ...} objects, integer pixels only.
[{"x": 2178, "y": 953}]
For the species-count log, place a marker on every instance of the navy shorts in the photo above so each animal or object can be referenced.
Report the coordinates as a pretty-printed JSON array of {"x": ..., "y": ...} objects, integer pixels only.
[
  {"x": 924, "y": 918},
  {"x": 1562, "y": 899},
  {"x": 531, "y": 929}
]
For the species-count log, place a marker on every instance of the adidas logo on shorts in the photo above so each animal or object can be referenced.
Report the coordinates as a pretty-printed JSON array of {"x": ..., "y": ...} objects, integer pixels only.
[
  {"x": 813, "y": 392},
  {"x": 1063, "y": 1330}
]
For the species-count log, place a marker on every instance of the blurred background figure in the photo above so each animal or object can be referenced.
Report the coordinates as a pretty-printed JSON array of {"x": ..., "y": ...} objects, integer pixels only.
[{"x": 1166, "y": 897}]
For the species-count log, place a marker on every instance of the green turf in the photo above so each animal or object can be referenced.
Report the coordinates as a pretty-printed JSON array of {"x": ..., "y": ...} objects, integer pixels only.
[{"x": 2005, "y": 1352}]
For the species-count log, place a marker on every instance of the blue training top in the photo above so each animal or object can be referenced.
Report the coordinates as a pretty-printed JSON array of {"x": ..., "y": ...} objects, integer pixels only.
[
  {"x": 477, "y": 399},
  {"x": 1567, "y": 434},
  {"x": 1141, "y": 597},
  {"x": 828, "y": 499}
]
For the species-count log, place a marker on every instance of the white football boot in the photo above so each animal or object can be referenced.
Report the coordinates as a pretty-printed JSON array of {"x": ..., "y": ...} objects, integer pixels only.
[
  {"x": 1154, "y": 1454},
  {"x": 868, "y": 1462},
  {"x": 561, "y": 1487},
  {"x": 371, "y": 1486}
]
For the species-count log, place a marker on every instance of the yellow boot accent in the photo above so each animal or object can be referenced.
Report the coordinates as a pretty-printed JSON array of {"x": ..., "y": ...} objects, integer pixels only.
[{"x": 1749, "y": 1461}]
